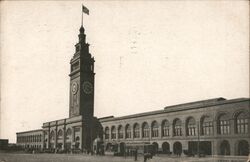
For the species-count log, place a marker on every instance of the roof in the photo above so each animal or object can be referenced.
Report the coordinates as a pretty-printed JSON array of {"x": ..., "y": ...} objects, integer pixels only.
[
  {"x": 36, "y": 130},
  {"x": 180, "y": 107}
]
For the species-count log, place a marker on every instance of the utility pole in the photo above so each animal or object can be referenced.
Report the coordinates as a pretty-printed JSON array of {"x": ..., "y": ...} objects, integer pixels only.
[{"x": 198, "y": 145}]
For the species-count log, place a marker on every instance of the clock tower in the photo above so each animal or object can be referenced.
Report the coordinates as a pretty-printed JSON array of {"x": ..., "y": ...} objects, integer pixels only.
[{"x": 82, "y": 79}]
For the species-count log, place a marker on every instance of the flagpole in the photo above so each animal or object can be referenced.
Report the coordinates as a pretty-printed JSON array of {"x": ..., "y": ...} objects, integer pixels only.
[{"x": 82, "y": 19}]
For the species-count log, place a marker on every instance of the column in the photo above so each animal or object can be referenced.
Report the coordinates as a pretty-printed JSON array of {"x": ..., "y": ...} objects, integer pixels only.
[
  {"x": 232, "y": 127},
  {"x": 150, "y": 132},
  {"x": 232, "y": 148},
  {"x": 124, "y": 133},
  {"x": 64, "y": 136},
  {"x": 116, "y": 133},
  {"x": 73, "y": 137},
  {"x": 183, "y": 129},
  {"x": 215, "y": 128},
  {"x": 56, "y": 136},
  {"x": 160, "y": 131},
  {"x": 214, "y": 148},
  {"x": 171, "y": 146},
  {"x": 171, "y": 130},
  {"x": 110, "y": 133},
  {"x": 48, "y": 140},
  {"x": 141, "y": 132},
  {"x": 132, "y": 132},
  {"x": 81, "y": 138}
]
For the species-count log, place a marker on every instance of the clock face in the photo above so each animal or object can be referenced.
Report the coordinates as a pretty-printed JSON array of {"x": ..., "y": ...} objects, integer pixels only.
[
  {"x": 87, "y": 87},
  {"x": 74, "y": 88}
]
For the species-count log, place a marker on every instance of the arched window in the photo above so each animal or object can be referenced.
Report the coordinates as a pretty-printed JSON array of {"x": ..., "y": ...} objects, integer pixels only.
[
  {"x": 60, "y": 134},
  {"x": 191, "y": 126},
  {"x": 206, "y": 125},
  {"x": 52, "y": 135},
  {"x": 68, "y": 133},
  {"x": 145, "y": 130},
  {"x": 136, "y": 131},
  {"x": 128, "y": 131},
  {"x": 120, "y": 132},
  {"x": 155, "y": 129},
  {"x": 113, "y": 132},
  {"x": 241, "y": 123},
  {"x": 177, "y": 127},
  {"x": 223, "y": 124},
  {"x": 165, "y": 128},
  {"x": 106, "y": 133}
]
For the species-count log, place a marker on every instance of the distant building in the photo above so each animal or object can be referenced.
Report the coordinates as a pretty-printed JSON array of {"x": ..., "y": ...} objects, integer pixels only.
[
  {"x": 212, "y": 127},
  {"x": 4, "y": 144},
  {"x": 30, "y": 139}
]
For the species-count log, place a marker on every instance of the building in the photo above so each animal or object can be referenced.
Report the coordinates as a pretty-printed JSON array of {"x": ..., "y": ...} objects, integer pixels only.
[
  {"x": 31, "y": 139},
  {"x": 218, "y": 126},
  {"x": 212, "y": 127},
  {"x": 4, "y": 144}
]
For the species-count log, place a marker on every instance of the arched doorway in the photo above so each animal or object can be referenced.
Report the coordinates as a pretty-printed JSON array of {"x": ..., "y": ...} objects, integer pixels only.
[
  {"x": 155, "y": 147},
  {"x": 165, "y": 148},
  {"x": 224, "y": 148},
  {"x": 68, "y": 139},
  {"x": 122, "y": 148},
  {"x": 77, "y": 142},
  {"x": 108, "y": 147},
  {"x": 243, "y": 148},
  {"x": 177, "y": 148}
]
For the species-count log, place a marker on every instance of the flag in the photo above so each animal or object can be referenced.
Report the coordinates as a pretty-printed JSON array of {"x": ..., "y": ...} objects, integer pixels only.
[{"x": 85, "y": 10}]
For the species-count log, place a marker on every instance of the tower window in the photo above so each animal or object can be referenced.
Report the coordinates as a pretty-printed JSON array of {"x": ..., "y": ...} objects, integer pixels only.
[
  {"x": 75, "y": 66},
  {"x": 77, "y": 48}
]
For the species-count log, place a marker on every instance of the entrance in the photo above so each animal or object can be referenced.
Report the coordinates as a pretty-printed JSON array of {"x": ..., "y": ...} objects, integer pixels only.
[
  {"x": 165, "y": 148},
  {"x": 122, "y": 148},
  {"x": 225, "y": 148},
  {"x": 243, "y": 148},
  {"x": 177, "y": 148},
  {"x": 155, "y": 148}
]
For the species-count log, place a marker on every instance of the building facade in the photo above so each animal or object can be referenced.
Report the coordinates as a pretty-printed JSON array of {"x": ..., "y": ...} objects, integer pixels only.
[
  {"x": 31, "y": 139},
  {"x": 212, "y": 127},
  {"x": 216, "y": 126}
]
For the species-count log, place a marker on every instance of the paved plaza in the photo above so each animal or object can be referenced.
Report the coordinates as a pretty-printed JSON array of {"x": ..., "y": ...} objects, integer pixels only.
[{"x": 16, "y": 157}]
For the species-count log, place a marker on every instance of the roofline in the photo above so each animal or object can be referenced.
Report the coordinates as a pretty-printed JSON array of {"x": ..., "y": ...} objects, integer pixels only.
[
  {"x": 222, "y": 102},
  {"x": 35, "y": 130}
]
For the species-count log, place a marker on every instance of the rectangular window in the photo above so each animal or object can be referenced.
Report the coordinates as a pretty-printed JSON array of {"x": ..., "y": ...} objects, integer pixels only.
[
  {"x": 165, "y": 132},
  {"x": 224, "y": 127},
  {"x": 177, "y": 130}
]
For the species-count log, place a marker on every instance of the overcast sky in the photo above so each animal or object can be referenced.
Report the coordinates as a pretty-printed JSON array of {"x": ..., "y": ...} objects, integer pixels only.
[{"x": 148, "y": 55}]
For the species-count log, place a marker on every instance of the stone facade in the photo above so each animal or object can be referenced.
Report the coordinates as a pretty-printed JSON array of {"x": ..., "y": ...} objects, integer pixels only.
[{"x": 220, "y": 126}]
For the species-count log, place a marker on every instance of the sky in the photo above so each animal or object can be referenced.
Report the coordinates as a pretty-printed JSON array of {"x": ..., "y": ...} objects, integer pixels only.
[{"x": 149, "y": 54}]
